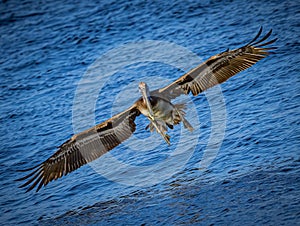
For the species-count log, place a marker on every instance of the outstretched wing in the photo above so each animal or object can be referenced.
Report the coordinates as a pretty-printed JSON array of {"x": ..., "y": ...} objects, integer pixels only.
[
  {"x": 218, "y": 68},
  {"x": 83, "y": 148}
]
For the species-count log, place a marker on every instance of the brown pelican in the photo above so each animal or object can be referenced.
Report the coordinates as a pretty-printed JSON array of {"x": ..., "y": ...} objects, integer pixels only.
[{"x": 155, "y": 105}]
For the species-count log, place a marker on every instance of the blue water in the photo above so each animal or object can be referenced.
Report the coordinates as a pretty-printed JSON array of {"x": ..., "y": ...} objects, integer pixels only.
[{"x": 46, "y": 48}]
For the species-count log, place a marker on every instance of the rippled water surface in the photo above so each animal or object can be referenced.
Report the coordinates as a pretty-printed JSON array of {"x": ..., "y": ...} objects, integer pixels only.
[{"x": 47, "y": 47}]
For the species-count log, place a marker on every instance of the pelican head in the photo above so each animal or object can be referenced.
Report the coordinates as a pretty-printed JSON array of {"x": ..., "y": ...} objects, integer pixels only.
[{"x": 144, "y": 89}]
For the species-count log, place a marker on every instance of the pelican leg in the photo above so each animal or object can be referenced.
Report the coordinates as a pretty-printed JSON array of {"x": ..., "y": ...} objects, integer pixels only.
[
  {"x": 185, "y": 122},
  {"x": 165, "y": 136}
]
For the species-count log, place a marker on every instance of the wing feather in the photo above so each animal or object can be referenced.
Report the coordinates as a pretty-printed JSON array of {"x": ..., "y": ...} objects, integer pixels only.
[
  {"x": 83, "y": 148},
  {"x": 217, "y": 69}
]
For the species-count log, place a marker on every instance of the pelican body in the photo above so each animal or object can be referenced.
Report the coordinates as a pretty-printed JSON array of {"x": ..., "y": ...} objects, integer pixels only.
[
  {"x": 161, "y": 112},
  {"x": 156, "y": 105}
]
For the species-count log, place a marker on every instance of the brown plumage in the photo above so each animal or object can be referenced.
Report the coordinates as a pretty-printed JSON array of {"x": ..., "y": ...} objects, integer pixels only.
[{"x": 98, "y": 140}]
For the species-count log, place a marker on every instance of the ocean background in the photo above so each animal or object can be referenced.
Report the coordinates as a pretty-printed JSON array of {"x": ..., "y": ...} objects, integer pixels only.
[{"x": 48, "y": 46}]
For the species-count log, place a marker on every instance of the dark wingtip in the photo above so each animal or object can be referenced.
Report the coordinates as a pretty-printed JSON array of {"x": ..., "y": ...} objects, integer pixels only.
[
  {"x": 27, "y": 176},
  {"x": 33, "y": 177},
  {"x": 267, "y": 43},
  {"x": 263, "y": 38},
  {"x": 256, "y": 37},
  {"x": 28, "y": 169}
]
